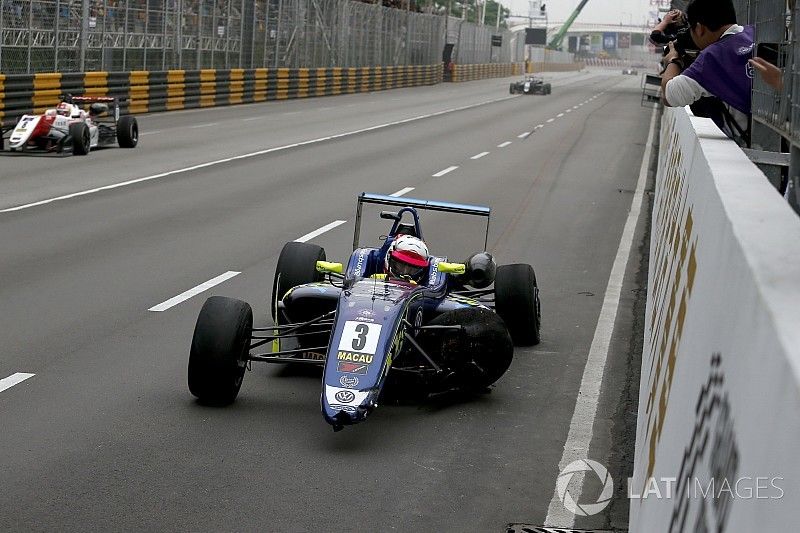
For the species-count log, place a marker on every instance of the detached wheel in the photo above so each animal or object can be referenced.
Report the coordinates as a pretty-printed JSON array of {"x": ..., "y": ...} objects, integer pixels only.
[
  {"x": 220, "y": 345},
  {"x": 81, "y": 138},
  {"x": 127, "y": 132},
  {"x": 297, "y": 265},
  {"x": 511, "y": 89},
  {"x": 516, "y": 300},
  {"x": 479, "y": 354}
]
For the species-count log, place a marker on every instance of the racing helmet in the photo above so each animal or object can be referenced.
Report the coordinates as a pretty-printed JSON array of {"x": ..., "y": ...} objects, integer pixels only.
[
  {"x": 64, "y": 109},
  {"x": 407, "y": 258}
]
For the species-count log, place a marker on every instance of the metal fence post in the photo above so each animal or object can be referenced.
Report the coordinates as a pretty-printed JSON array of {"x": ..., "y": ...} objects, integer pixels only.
[{"x": 278, "y": 31}]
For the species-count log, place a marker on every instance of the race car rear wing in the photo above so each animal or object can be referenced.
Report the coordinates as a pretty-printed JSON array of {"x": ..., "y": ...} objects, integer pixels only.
[{"x": 428, "y": 205}]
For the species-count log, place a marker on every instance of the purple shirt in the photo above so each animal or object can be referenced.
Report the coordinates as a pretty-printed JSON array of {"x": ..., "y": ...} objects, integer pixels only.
[{"x": 722, "y": 69}]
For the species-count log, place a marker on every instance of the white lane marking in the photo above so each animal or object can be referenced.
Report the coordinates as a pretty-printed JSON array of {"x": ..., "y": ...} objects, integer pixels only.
[
  {"x": 549, "y": 120},
  {"x": 443, "y": 172},
  {"x": 538, "y": 127},
  {"x": 14, "y": 379},
  {"x": 204, "y": 125},
  {"x": 523, "y": 135},
  {"x": 568, "y": 111},
  {"x": 560, "y": 115},
  {"x": 149, "y": 132},
  {"x": 182, "y": 297},
  {"x": 248, "y": 155},
  {"x": 575, "y": 106},
  {"x": 252, "y": 118},
  {"x": 503, "y": 145},
  {"x": 581, "y": 426},
  {"x": 478, "y": 156},
  {"x": 402, "y": 191},
  {"x": 317, "y": 232}
]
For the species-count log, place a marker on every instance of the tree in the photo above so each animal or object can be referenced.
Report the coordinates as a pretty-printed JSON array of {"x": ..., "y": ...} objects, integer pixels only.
[{"x": 471, "y": 11}]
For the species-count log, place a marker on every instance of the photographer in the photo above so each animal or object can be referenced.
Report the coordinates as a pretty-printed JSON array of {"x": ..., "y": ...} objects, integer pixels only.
[{"x": 721, "y": 69}]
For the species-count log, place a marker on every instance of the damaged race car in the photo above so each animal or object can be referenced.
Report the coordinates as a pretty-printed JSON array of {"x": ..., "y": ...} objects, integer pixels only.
[
  {"x": 70, "y": 127},
  {"x": 530, "y": 85},
  {"x": 386, "y": 318}
]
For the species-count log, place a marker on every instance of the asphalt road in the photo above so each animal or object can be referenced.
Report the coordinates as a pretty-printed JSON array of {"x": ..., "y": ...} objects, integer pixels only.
[{"x": 106, "y": 436}]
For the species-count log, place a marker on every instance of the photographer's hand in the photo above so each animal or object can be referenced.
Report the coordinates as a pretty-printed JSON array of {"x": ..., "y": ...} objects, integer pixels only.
[
  {"x": 672, "y": 54},
  {"x": 772, "y": 75}
]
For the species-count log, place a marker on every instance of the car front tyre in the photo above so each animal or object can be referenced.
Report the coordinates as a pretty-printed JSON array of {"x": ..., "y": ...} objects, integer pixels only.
[
  {"x": 81, "y": 138},
  {"x": 220, "y": 346},
  {"x": 516, "y": 300},
  {"x": 127, "y": 132}
]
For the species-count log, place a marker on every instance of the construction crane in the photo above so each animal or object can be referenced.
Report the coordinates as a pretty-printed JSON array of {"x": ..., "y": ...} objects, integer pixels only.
[{"x": 555, "y": 42}]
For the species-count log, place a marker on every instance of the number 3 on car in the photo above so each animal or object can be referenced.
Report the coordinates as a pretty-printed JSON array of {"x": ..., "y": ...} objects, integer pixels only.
[{"x": 360, "y": 337}]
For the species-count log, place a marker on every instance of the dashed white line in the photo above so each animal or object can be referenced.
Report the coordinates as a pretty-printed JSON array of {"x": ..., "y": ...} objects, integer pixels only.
[
  {"x": 503, "y": 145},
  {"x": 248, "y": 119},
  {"x": 560, "y": 115},
  {"x": 575, "y": 107},
  {"x": 568, "y": 111},
  {"x": 203, "y": 125},
  {"x": 549, "y": 120},
  {"x": 478, "y": 156},
  {"x": 443, "y": 172},
  {"x": 14, "y": 379},
  {"x": 317, "y": 232},
  {"x": 182, "y": 297},
  {"x": 402, "y": 191},
  {"x": 248, "y": 155},
  {"x": 538, "y": 127},
  {"x": 523, "y": 134},
  {"x": 149, "y": 132}
]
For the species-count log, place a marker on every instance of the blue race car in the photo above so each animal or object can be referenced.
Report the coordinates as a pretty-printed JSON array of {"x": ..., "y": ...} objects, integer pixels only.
[{"x": 453, "y": 329}]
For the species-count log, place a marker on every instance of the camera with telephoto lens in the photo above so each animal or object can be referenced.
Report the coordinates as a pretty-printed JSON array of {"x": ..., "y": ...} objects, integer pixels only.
[{"x": 684, "y": 45}]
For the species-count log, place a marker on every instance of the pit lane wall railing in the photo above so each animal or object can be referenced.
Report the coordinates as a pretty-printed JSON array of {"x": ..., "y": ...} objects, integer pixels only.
[
  {"x": 145, "y": 92},
  {"x": 717, "y": 429}
]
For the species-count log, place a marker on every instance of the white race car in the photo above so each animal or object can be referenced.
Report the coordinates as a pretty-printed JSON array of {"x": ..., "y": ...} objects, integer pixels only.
[{"x": 70, "y": 126}]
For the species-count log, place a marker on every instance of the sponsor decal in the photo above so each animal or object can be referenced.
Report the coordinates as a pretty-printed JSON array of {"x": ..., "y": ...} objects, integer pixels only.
[
  {"x": 349, "y": 381},
  {"x": 363, "y": 319},
  {"x": 316, "y": 356},
  {"x": 366, "y": 313},
  {"x": 352, "y": 368},
  {"x": 346, "y": 408},
  {"x": 345, "y": 396},
  {"x": 354, "y": 357},
  {"x": 360, "y": 263}
]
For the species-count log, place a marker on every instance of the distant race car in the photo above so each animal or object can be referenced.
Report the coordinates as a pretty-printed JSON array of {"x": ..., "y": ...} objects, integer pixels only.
[
  {"x": 530, "y": 85},
  {"x": 448, "y": 331},
  {"x": 70, "y": 127},
  {"x": 630, "y": 71}
]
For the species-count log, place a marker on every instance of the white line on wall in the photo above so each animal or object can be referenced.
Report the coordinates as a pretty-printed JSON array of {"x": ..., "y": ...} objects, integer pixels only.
[
  {"x": 14, "y": 379},
  {"x": 182, "y": 297}
]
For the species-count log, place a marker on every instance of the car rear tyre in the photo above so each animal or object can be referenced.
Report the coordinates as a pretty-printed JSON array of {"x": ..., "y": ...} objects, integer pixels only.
[
  {"x": 81, "y": 138},
  {"x": 127, "y": 132},
  {"x": 516, "y": 300},
  {"x": 220, "y": 345},
  {"x": 479, "y": 354},
  {"x": 511, "y": 89},
  {"x": 297, "y": 265}
]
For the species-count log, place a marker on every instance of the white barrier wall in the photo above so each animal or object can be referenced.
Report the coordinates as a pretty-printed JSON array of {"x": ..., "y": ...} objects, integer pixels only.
[{"x": 718, "y": 430}]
